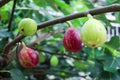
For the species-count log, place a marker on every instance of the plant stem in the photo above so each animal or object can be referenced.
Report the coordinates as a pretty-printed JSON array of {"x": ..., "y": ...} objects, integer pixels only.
[
  {"x": 69, "y": 23},
  {"x": 89, "y": 16},
  {"x": 11, "y": 17},
  {"x": 93, "y": 53}
]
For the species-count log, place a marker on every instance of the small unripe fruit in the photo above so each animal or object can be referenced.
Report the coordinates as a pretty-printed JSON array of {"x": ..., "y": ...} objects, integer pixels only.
[
  {"x": 93, "y": 33},
  {"x": 27, "y": 27},
  {"x": 28, "y": 58},
  {"x": 42, "y": 57},
  {"x": 54, "y": 61},
  {"x": 72, "y": 41}
]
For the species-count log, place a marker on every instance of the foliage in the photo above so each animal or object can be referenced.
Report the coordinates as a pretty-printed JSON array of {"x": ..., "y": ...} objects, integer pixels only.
[{"x": 101, "y": 63}]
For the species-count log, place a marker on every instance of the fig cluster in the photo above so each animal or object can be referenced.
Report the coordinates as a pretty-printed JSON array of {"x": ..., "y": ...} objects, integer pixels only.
[{"x": 93, "y": 34}]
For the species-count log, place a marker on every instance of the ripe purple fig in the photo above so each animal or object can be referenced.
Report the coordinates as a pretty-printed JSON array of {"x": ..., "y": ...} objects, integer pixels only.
[
  {"x": 28, "y": 58},
  {"x": 72, "y": 41},
  {"x": 93, "y": 33}
]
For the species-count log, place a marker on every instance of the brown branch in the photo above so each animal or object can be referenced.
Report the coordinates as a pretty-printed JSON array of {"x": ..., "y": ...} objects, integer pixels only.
[
  {"x": 61, "y": 54},
  {"x": 105, "y": 9},
  {"x": 10, "y": 44},
  {"x": 3, "y": 2},
  {"x": 11, "y": 17}
]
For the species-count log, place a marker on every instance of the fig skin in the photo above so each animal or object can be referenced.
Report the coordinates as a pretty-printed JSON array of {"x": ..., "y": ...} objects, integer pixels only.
[
  {"x": 28, "y": 58},
  {"x": 54, "y": 61},
  {"x": 93, "y": 33},
  {"x": 72, "y": 41},
  {"x": 27, "y": 27}
]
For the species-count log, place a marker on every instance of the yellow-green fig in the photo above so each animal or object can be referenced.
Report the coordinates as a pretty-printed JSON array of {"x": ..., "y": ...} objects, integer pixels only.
[
  {"x": 27, "y": 26},
  {"x": 93, "y": 33},
  {"x": 54, "y": 61}
]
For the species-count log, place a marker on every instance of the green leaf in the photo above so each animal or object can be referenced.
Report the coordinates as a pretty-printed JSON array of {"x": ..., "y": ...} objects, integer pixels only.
[
  {"x": 4, "y": 15},
  {"x": 109, "y": 2},
  {"x": 4, "y": 33},
  {"x": 2, "y": 43},
  {"x": 104, "y": 19},
  {"x": 114, "y": 42},
  {"x": 117, "y": 15},
  {"x": 80, "y": 64},
  {"x": 79, "y": 5},
  {"x": 41, "y": 3},
  {"x": 62, "y": 4},
  {"x": 88, "y": 4},
  {"x": 4, "y": 11},
  {"x": 66, "y": 9},
  {"x": 113, "y": 45},
  {"x": 114, "y": 52},
  {"x": 95, "y": 70},
  {"x": 111, "y": 64},
  {"x": 16, "y": 74},
  {"x": 42, "y": 57},
  {"x": 108, "y": 76}
]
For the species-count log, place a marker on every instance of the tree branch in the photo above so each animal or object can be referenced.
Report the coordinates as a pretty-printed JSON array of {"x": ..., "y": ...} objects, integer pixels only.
[
  {"x": 3, "y": 2},
  {"x": 61, "y": 54},
  {"x": 11, "y": 17},
  {"x": 105, "y": 9},
  {"x": 10, "y": 44}
]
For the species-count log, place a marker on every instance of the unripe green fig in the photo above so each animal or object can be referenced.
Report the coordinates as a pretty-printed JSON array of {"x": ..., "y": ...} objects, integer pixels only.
[
  {"x": 54, "y": 61},
  {"x": 42, "y": 57},
  {"x": 27, "y": 26},
  {"x": 93, "y": 33}
]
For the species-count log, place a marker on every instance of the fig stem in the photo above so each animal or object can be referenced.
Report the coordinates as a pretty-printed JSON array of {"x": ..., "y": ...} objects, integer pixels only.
[
  {"x": 89, "y": 16},
  {"x": 93, "y": 53},
  {"x": 69, "y": 23},
  {"x": 23, "y": 44}
]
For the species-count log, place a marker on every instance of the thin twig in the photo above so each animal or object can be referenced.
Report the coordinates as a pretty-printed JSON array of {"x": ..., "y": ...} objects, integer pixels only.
[
  {"x": 11, "y": 17},
  {"x": 60, "y": 54},
  {"x": 9, "y": 45}
]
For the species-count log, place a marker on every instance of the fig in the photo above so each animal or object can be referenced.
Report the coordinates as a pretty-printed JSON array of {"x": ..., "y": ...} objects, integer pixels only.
[
  {"x": 72, "y": 41},
  {"x": 93, "y": 32},
  {"x": 27, "y": 26},
  {"x": 42, "y": 57},
  {"x": 54, "y": 61},
  {"x": 28, "y": 58}
]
